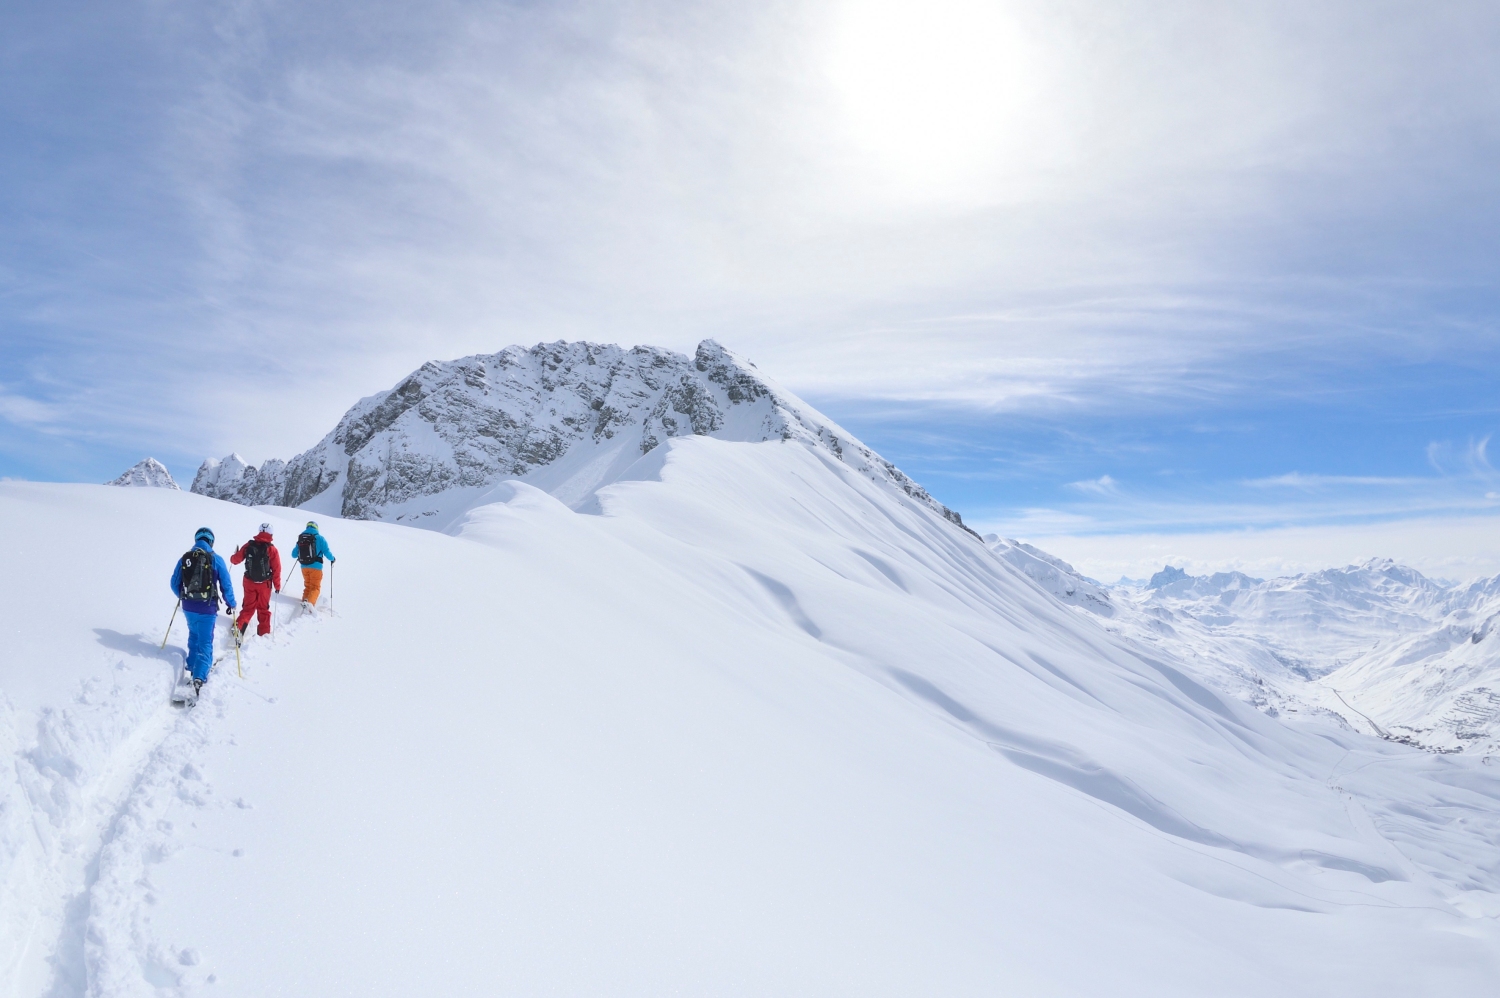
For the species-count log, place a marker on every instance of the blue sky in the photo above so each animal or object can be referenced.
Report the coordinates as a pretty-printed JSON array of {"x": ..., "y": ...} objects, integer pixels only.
[{"x": 1086, "y": 270}]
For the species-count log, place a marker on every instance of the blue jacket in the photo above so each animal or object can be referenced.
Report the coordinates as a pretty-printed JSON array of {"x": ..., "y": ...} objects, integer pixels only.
[
  {"x": 223, "y": 587},
  {"x": 322, "y": 551}
]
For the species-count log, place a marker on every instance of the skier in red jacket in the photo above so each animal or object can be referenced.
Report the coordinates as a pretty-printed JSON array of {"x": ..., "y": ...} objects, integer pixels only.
[{"x": 262, "y": 572}]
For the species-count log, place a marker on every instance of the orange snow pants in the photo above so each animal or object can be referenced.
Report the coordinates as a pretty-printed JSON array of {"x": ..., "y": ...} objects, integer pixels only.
[{"x": 312, "y": 584}]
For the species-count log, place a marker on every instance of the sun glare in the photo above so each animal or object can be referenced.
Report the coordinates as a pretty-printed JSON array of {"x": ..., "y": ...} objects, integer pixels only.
[{"x": 939, "y": 98}]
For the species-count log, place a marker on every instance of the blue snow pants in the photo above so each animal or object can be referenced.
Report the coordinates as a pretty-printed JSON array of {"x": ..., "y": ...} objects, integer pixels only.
[{"x": 200, "y": 642}]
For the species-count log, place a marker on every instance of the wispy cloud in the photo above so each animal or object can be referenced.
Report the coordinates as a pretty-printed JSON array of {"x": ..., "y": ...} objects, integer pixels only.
[
  {"x": 1101, "y": 507},
  {"x": 1297, "y": 480},
  {"x": 1101, "y": 486},
  {"x": 27, "y": 412},
  {"x": 1445, "y": 547}
]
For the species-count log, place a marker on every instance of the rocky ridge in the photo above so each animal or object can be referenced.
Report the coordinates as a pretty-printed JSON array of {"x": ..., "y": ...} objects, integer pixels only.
[{"x": 569, "y": 417}]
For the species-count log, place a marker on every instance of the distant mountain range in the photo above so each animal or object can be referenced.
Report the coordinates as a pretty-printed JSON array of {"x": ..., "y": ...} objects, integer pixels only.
[{"x": 1380, "y": 644}]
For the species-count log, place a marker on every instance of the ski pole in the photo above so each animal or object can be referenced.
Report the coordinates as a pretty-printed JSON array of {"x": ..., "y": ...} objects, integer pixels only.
[
  {"x": 167, "y": 635},
  {"x": 330, "y": 587},
  {"x": 237, "y": 667}
]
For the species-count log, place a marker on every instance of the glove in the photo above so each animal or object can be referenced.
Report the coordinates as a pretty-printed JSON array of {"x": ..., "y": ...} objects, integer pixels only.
[{"x": 228, "y": 610}]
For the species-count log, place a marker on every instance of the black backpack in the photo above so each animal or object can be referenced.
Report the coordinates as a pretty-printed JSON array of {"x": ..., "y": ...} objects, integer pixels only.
[
  {"x": 257, "y": 561},
  {"x": 197, "y": 580},
  {"x": 307, "y": 548}
]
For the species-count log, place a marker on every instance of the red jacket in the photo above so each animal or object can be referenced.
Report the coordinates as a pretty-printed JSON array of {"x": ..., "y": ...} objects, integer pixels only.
[{"x": 239, "y": 556}]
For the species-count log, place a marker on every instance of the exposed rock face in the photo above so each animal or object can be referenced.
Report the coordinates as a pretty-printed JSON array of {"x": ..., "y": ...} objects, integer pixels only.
[
  {"x": 233, "y": 479},
  {"x": 569, "y": 416},
  {"x": 149, "y": 473}
]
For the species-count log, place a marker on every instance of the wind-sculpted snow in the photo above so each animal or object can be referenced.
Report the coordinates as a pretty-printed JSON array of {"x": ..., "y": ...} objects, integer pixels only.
[
  {"x": 762, "y": 725},
  {"x": 568, "y": 416},
  {"x": 1053, "y": 574},
  {"x": 149, "y": 473}
]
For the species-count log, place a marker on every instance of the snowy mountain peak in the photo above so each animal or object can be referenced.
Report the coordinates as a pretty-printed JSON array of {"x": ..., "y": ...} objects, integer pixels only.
[
  {"x": 1166, "y": 577},
  {"x": 568, "y": 418},
  {"x": 1177, "y": 583},
  {"x": 148, "y": 473},
  {"x": 218, "y": 474}
]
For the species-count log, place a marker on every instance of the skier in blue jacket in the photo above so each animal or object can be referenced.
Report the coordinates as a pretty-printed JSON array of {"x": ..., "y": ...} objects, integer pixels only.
[{"x": 207, "y": 583}]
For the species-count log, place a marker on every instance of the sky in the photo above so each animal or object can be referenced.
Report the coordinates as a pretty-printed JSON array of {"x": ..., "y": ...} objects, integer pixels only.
[{"x": 1213, "y": 283}]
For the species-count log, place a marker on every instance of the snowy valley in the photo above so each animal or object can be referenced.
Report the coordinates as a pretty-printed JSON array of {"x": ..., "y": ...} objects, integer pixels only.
[
  {"x": 1378, "y": 647},
  {"x": 683, "y": 689}
]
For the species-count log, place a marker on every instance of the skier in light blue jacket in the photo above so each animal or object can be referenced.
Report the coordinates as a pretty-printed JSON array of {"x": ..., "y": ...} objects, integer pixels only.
[{"x": 310, "y": 552}]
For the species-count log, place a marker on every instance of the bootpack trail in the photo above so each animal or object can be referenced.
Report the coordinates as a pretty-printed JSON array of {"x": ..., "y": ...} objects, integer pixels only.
[
  {"x": 144, "y": 787},
  {"x": 103, "y": 761}
]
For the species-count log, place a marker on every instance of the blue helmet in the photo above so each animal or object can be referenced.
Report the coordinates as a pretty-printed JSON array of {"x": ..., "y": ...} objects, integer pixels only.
[{"x": 204, "y": 534}]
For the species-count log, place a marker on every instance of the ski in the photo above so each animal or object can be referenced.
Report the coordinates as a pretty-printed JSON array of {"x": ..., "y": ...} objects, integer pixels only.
[{"x": 184, "y": 694}]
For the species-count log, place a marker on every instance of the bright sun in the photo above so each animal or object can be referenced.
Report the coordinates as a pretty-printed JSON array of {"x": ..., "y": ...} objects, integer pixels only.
[{"x": 941, "y": 98}]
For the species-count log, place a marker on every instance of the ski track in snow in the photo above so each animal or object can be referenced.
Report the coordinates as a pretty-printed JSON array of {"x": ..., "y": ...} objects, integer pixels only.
[{"x": 112, "y": 807}]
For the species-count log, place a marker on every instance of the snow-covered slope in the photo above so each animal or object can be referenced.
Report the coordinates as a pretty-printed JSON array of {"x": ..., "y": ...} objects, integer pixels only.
[
  {"x": 1053, "y": 574},
  {"x": 566, "y": 417},
  {"x": 148, "y": 473},
  {"x": 1438, "y": 685},
  {"x": 762, "y": 725}
]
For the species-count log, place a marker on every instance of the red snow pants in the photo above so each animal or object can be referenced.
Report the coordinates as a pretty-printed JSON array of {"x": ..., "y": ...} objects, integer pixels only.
[{"x": 257, "y": 601}]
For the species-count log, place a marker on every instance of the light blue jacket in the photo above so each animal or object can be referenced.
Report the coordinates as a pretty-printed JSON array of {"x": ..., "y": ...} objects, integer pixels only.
[{"x": 322, "y": 551}]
